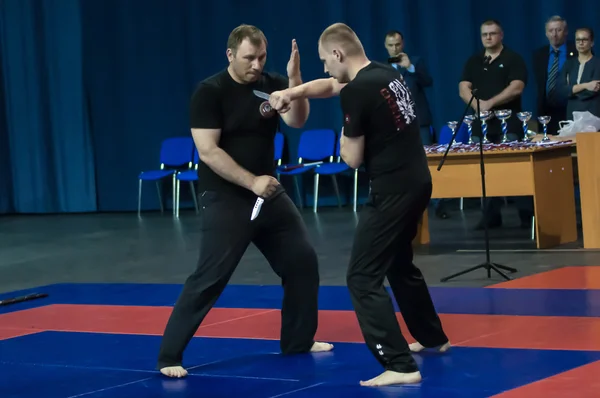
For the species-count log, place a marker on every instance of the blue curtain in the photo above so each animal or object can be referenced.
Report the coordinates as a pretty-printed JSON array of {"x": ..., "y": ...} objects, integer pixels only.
[
  {"x": 48, "y": 163},
  {"x": 90, "y": 88}
]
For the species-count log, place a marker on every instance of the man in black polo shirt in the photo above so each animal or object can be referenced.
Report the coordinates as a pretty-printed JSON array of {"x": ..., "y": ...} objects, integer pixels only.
[
  {"x": 234, "y": 131},
  {"x": 499, "y": 75},
  {"x": 381, "y": 128}
]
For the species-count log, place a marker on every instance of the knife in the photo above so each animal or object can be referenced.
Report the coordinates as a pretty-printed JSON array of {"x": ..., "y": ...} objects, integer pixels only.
[
  {"x": 261, "y": 94},
  {"x": 259, "y": 202},
  {"x": 257, "y": 206}
]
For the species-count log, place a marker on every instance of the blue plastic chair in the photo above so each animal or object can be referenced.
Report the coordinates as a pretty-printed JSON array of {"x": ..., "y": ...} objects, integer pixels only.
[
  {"x": 279, "y": 142},
  {"x": 314, "y": 145},
  {"x": 190, "y": 176},
  {"x": 174, "y": 152},
  {"x": 332, "y": 169},
  {"x": 462, "y": 135}
]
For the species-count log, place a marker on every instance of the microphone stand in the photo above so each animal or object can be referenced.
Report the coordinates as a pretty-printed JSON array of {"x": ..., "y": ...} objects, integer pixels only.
[{"x": 488, "y": 265}]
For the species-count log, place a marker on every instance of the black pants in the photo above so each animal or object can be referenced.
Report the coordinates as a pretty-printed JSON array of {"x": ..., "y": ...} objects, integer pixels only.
[
  {"x": 226, "y": 232},
  {"x": 383, "y": 247}
]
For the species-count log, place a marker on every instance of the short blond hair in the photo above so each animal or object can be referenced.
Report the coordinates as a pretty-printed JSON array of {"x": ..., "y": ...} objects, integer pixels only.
[{"x": 344, "y": 36}]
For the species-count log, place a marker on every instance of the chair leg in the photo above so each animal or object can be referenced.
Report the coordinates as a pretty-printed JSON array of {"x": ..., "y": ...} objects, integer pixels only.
[
  {"x": 355, "y": 189},
  {"x": 533, "y": 228},
  {"x": 316, "y": 193},
  {"x": 298, "y": 195},
  {"x": 193, "y": 188},
  {"x": 462, "y": 203},
  {"x": 176, "y": 198},
  {"x": 174, "y": 185},
  {"x": 139, "y": 196},
  {"x": 337, "y": 190},
  {"x": 162, "y": 207}
]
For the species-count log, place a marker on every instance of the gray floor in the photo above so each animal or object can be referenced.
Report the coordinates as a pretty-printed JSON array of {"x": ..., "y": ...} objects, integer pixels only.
[{"x": 39, "y": 250}]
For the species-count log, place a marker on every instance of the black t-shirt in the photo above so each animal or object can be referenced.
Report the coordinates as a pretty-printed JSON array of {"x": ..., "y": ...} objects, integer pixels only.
[
  {"x": 378, "y": 104},
  {"x": 248, "y": 125},
  {"x": 491, "y": 79}
]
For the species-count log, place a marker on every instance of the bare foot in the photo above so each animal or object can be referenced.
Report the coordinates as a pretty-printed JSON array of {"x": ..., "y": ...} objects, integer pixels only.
[
  {"x": 174, "y": 371},
  {"x": 417, "y": 347},
  {"x": 321, "y": 347},
  {"x": 389, "y": 377}
]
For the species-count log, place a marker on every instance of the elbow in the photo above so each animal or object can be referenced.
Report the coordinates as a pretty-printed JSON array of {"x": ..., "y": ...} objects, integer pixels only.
[
  {"x": 354, "y": 163},
  {"x": 205, "y": 153}
]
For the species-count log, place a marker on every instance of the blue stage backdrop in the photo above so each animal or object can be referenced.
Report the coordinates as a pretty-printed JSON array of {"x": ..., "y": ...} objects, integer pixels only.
[{"x": 90, "y": 88}]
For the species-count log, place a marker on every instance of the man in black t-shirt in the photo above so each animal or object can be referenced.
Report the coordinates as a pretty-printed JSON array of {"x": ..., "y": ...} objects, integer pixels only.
[
  {"x": 234, "y": 133},
  {"x": 380, "y": 129},
  {"x": 499, "y": 75}
]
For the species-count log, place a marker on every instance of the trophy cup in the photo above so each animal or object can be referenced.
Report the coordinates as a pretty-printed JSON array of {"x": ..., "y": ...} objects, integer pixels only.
[
  {"x": 545, "y": 120},
  {"x": 452, "y": 126},
  {"x": 524, "y": 117},
  {"x": 468, "y": 121},
  {"x": 484, "y": 117},
  {"x": 503, "y": 115}
]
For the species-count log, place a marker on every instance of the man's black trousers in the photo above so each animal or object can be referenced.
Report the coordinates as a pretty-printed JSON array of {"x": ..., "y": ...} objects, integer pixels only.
[
  {"x": 226, "y": 232},
  {"x": 383, "y": 248}
]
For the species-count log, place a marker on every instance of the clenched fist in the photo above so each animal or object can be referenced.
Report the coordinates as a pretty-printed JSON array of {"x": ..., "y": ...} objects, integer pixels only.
[
  {"x": 280, "y": 101},
  {"x": 264, "y": 186}
]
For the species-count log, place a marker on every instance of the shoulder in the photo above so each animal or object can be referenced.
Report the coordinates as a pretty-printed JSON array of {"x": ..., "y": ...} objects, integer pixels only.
[
  {"x": 211, "y": 85},
  {"x": 512, "y": 55}
]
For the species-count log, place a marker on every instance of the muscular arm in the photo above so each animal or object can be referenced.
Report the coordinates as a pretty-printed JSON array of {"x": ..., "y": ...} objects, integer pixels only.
[
  {"x": 352, "y": 150},
  {"x": 320, "y": 88},
  {"x": 513, "y": 90},
  {"x": 218, "y": 160},
  {"x": 299, "y": 108}
]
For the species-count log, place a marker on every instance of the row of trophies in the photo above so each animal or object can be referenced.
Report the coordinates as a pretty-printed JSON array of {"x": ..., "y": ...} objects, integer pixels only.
[{"x": 503, "y": 115}]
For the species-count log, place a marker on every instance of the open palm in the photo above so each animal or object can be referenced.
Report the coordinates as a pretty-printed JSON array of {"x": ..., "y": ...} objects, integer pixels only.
[{"x": 293, "y": 66}]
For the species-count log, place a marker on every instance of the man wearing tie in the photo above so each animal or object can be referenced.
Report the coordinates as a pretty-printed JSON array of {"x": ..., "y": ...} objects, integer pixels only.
[{"x": 547, "y": 64}]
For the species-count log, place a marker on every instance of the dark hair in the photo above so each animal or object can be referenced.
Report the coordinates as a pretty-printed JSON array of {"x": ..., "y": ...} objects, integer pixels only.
[
  {"x": 492, "y": 22},
  {"x": 589, "y": 30},
  {"x": 250, "y": 32},
  {"x": 393, "y": 33}
]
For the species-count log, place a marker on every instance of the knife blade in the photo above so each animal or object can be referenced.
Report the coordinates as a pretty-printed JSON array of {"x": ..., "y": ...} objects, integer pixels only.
[
  {"x": 256, "y": 209},
  {"x": 261, "y": 94}
]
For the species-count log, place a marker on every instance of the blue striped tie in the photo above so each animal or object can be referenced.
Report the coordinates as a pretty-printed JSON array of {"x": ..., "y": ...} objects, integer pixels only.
[{"x": 553, "y": 76}]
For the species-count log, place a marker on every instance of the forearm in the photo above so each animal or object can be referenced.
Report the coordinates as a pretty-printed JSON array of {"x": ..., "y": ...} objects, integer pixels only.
[
  {"x": 465, "y": 94},
  {"x": 320, "y": 88},
  {"x": 299, "y": 107},
  {"x": 222, "y": 164},
  {"x": 506, "y": 95},
  {"x": 577, "y": 88}
]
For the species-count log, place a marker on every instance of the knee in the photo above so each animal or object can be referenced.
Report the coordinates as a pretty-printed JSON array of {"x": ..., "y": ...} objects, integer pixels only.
[{"x": 304, "y": 261}]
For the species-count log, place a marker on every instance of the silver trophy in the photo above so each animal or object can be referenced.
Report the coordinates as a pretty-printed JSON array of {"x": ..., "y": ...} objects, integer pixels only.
[
  {"x": 545, "y": 120},
  {"x": 484, "y": 117},
  {"x": 468, "y": 121},
  {"x": 524, "y": 117},
  {"x": 504, "y": 115},
  {"x": 452, "y": 125}
]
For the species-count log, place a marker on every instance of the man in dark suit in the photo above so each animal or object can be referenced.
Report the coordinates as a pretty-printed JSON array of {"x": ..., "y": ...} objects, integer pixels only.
[
  {"x": 547, "y": 64},
  {"x": 417, "y": 78}
]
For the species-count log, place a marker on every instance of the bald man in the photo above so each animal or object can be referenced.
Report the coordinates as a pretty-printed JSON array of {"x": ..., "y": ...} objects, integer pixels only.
[{"x": 381, "y": 129}]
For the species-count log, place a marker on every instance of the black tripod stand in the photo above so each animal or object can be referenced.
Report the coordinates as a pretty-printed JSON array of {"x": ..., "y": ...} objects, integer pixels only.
[{"x": 488, "y": 265}]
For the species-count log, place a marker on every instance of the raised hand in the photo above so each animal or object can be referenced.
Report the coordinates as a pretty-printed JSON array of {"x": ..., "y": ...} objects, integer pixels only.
[{"x": 293, "y": 66}]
